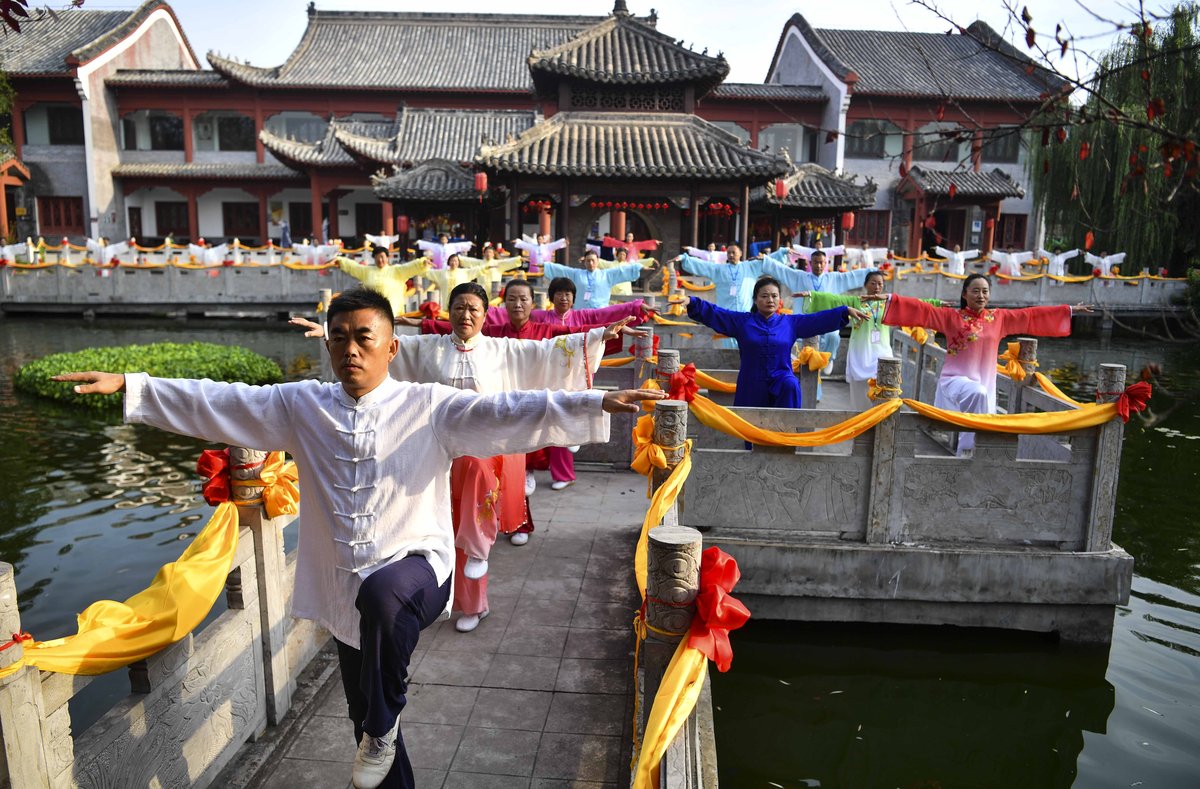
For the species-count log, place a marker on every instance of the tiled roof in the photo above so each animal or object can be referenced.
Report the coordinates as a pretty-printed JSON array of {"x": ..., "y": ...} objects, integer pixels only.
[
  {"x": 168, "y": 77},
  {"x": 812, "y": 186},
  {"x": 414, "y": 51},
  {"x": 903, "y": 63},
  {"x": 274, "y": 172},
  {"x": 435, "y": 179},
  {"x": 967, "y": 183},
  {"x": 422, "y": 134},
  {"x": 754, "y": 90},
  {"x": 631, "y": 145},
  {"x": 326, "y": 152},
  {"x": 43, "y": 45},
  {"x": 623, "y": 50}
]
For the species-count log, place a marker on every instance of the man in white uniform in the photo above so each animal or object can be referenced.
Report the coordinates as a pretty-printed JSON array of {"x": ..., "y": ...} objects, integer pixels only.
[{"x": 376, "y": 550}]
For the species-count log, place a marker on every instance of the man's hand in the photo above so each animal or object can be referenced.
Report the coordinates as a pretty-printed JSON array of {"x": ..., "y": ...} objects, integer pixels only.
[
  {"x": 94, "y": 382},
  {"x": 401, "y": 320},
  {"x": 314, "y": 329},
  {"x": 615, "y": 329},
  {"x": 629, "y": 401},
  {"x": 858, "y": 315}
]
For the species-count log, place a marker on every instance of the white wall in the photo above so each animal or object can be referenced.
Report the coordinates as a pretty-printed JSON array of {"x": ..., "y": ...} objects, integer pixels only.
[
  {"x": 145, "y": 199},
  {"x": 799, "y": 65},
  {"x": 208, "y": 210}
]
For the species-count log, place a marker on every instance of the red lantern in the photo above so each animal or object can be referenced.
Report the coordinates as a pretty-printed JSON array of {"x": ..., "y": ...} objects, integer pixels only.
[
  {"x": 402, "y": 225},
  {"x": 481, "y": 182},
  {"x": 781, "y": 189},
  {"x": 608, "y": 204},
  {"x": 848, "y": 220}
]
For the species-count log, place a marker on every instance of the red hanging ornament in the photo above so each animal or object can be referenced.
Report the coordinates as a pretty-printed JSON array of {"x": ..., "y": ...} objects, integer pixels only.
[
  {"x": 402, "y": 225},
  {"x": 481, "y": 183},
  {"x": 781, "y": 189},
  {"x": 1089, "y": 239},
  {"x": 848, "y": 220}
]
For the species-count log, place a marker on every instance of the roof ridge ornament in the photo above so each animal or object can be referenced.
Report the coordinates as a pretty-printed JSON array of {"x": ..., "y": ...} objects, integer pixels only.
[{"x": 620, "y": 8}]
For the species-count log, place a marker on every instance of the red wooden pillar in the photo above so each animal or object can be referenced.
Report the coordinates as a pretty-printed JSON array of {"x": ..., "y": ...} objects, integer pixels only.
[
  {"x": 543, "y": 222},
  {"x": 917, "y": 236},
  {"x": 3, "y": 210},
  {"x": 193, "y": 214},
  {"x": 315, "y": 207},
  {"x": 991, "y": 217},
  {"x": 260, "y": 153},
  {"x": 977, "y": 150},
  {"x": 189, "y": 144},
  {"x": 262, "y": 217},
  {"x": 617, "y": 225},
  {"x": 389, "y": 218}
]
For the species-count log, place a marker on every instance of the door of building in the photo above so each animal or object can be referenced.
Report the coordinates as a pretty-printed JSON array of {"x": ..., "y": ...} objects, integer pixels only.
[
  {"x": 135, "y": 221},
  {"x": 368, "y": 218}
]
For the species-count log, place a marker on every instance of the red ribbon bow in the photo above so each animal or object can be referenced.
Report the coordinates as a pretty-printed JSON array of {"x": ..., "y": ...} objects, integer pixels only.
[
  {"x": 633, "y": 349},
  {"x": 1133, "y": 400},
  {"x": 430, "y": 309},
  {"x": 993, "y": 269},
  {"x": 682, "y": 385},
  {"x": 717, "y": 611},
  {"x": 213, "y": 465}
]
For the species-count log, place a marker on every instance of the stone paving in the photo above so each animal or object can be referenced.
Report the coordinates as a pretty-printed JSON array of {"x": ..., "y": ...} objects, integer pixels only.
[{"x": 539, "y": 695}]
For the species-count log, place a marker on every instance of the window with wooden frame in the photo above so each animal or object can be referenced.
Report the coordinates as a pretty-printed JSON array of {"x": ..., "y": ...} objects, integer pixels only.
[
  {"x": 171, "y": 218},
  {"x": 1011, "y": 231},
  {"x": 240, "y": 219},
  {"x": 60, "y": 216},
  {"x": 874, "y": 227}
]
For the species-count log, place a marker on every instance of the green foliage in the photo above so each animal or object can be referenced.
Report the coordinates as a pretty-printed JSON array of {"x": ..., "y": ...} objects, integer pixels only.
[
  {"x": 163, "y": 360},
  {"x": 7, "y": 97},
  {"x": 1120, "y": 173}
]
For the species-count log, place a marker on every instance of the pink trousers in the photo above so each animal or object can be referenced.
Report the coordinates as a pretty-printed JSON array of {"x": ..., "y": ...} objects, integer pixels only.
[
  {"x": 487, "y": 497},
  {"x": 560, "y": 461}
]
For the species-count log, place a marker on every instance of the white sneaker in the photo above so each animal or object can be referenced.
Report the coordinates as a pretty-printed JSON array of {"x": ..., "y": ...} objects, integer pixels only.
[
  {"x": 466, "y": 624},
  {"x": 520, "y": 537},
  {"x": 374, "y": 758},
  {"x": 530, "y": 483},
  {"x": 559, "y": 484},
  {"x": 573, "y": 449},
  {"x": 475, "y": 568},
  {"x": 828, "y": 369}
]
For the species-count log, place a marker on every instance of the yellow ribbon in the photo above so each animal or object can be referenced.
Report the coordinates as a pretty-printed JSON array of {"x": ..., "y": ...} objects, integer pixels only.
[
  {"x": 281, "y": 491},
  {"x": 874, "y": 390},
  {"x": 714, "y": 384},
  {"x": 917, "y": 333},
  {"x": 1049, "y": 388},
  {"x": 683, "y": 283},
  {"x": 1011, "y": 362},
  {"x": 661, "y": 321},
  {"x": 808, "y": 355},
  {"x": 646, "y": 453},
  {"x": 618, "y": 362}
]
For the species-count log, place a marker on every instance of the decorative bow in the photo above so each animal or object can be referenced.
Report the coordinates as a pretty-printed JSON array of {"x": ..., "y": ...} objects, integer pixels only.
[
  {"x": 874, "y": 390},
  {"x": 646, "y": 453},
  {"x": 917, "y": 333},
  {"x": 682, "y": 385},
  {"x": 1011, "y": 362},
  {"x": 280, "y": 495},
  {"x": 993, "y": 269},
  {"x": 633, "y": 349},
  {"x": 1133, "y": 400},
  {"x": 430, "y": 309},
  {"x": 717, "y": 611},
  {"x": 815, "y": 359}
]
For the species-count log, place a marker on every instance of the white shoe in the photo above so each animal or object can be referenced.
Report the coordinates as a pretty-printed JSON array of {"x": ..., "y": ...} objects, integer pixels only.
[
  {"x": 828, "y": 369},
  {"x": 530, "y": 483},
  {"x": 559, "y": 484},
  {"x": 475, "y": 568},
  {"x": 520, "y": 537},
  {"x": 374, "y": 758},
  {"x": 573, "y": 449},
  {"x": 466, "y": 624}
]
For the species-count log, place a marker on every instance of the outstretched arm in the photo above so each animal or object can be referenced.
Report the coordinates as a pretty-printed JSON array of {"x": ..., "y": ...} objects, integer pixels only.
[
  {"x": 792, "y": 278},
  {"x": 716, "y": 318}
]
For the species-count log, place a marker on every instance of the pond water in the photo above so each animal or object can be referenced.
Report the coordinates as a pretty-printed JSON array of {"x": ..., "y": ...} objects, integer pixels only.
[
  {"x": 930, "y": 708},
  {"x": 92, "y": 508}
]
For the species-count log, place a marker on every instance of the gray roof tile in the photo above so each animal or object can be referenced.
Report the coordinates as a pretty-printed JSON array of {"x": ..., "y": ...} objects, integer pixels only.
[
  {"x": 904, "y": 63},
  {"x": 422, "y": 134},
  {"x": 43, "y": 45},
  {"x": 967, "y": 183},
  {"x": 415, "y": 51},
  {"x": 623, "y": 50},
  {"x": 205, "y": 170},
  {"x": 194, "y": 78},
  {"x": 435, "y": 179},
  {"x": 813, "y": 186},
  {"x": 631, "y": 145},
  {"x": 328, "y": 151},
  {"x": 754, "y": 90}
]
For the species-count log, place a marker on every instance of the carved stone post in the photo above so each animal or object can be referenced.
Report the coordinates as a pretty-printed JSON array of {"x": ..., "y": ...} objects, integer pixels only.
[
  {"x": 643, "y": 350},
  {"x": 1027, "y": 356},
  {"x": 883, "y": 459},
  {"x": 21, "y": 708},
  {"x": 672, "y": 582},
  {"x": 1109, "y": 384},
  {"x": 808, "y": 378},
  {"x": 670, "y": 433},
  {"x": 270, "y": 571},
  {"x": 672, "y": 282},
  {"x": 668, "y": 365}
]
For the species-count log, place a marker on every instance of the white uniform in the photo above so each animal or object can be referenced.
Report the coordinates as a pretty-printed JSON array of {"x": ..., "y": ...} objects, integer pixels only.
[
  {"x": 956, "y": 262},
  {"x": 375, "y": 472}
]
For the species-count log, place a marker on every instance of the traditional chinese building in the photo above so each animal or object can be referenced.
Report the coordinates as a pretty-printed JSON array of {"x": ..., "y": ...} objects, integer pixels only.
[
  {"x": 933, "y": 120},
  {"x": 575, "y": 125}
]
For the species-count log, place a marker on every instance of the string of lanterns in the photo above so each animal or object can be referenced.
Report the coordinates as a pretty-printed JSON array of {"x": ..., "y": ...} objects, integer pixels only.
[
  {"x": 623, "y": 205},
  {"x": 536, "y": 206}
]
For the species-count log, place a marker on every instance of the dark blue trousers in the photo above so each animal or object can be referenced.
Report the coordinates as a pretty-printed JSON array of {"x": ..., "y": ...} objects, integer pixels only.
[{"x": 395, "y": 604}]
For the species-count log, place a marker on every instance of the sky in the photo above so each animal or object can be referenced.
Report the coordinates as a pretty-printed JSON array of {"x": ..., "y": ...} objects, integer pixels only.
[{"x": 266, "y": 31}]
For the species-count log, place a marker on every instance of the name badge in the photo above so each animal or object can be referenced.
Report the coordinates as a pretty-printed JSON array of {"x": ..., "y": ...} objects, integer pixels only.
[
  {"x": 587, "y": 296},
  {"x": 733, "y": 290},
  {"x": 875, "y": 337}
]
